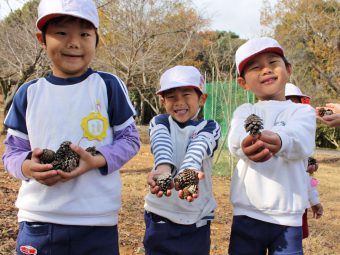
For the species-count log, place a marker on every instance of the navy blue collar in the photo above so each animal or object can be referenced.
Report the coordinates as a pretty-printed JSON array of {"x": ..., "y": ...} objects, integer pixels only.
[{"x": 68, "y": 81}]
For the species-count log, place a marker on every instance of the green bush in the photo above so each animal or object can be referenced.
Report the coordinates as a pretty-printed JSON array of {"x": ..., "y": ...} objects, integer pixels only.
[{"x": 327, "y": 137}]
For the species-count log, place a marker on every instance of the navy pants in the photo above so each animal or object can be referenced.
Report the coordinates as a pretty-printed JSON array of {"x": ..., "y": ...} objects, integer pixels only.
[
  {"x": 250, "y": 236},
  {"x": 163, "y": 237},
  {"x": 53, "y": 239}
]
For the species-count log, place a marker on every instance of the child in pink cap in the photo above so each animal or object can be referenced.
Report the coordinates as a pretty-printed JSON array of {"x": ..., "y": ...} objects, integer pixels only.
[{"x": 268, "y": 187}]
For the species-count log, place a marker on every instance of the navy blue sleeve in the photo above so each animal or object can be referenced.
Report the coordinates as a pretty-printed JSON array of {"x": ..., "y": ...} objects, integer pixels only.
[
  {"x": 16, "y": 116},
  {"x": 120, "y": 108}
]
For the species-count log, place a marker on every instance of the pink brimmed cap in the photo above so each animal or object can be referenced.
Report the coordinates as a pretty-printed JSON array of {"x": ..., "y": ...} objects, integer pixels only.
[
  {"x": 84, "y": 9},
  {"x": 254, "y": 47},
  {"x": 292, "y": 90},
  {"x": 181, "y": 76}
]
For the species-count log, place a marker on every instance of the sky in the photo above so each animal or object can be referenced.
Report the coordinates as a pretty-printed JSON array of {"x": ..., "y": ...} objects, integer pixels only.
[{"x": 239, "y": 16}]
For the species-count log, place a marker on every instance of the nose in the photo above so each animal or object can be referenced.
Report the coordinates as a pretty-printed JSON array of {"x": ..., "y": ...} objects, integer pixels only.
[
  {"x": 73, "y": 42},
  {"x": 266, "y": 69}
]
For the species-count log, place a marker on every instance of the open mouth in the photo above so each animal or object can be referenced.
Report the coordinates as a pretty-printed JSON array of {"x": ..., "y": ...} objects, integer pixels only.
[{"x": 181, "y": 111}]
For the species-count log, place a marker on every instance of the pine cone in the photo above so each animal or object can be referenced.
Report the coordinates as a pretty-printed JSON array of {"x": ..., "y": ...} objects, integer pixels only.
[
  {"x": 323, "y": 112},
  {"x": 47, "y": 156},
  {"x": 188, "y": 182},
  {"x": 66, "y": 159},
  {"x": 253, "y": 124},
  {"x": 163, "y": 181},
  {"x": 92, "y": 150},
  {"x": 311, "y": 161}
]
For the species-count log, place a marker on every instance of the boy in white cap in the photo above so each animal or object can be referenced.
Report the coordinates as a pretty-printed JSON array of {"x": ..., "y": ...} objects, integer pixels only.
[
  {"x": 268, "y": 189},
  {"x": 70, "y": 212},
  {"x": 179, "y": 140}
]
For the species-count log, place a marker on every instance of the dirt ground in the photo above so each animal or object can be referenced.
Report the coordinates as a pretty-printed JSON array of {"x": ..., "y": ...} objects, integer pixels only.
[{"x": 324, "y": 233}]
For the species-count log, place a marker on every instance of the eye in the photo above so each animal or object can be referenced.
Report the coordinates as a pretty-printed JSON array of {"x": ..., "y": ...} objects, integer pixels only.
[
  {"x": 85, "y": 34},
  {"x": 61, "y": 33},
  {"x": 253, "y": 67},
  {"x": 170, "y": 96}
]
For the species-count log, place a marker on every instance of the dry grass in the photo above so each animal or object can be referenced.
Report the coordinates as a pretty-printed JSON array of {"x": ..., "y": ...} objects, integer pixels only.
[{"x": 323, "y": 233}]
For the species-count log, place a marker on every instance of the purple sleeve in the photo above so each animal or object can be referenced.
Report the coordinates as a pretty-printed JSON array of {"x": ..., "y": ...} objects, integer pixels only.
[
  {"x": 125, "y": 145},
  {"x": 16, "y": 151}
]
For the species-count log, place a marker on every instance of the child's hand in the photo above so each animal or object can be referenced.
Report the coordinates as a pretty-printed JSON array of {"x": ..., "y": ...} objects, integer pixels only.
[
  {"x": 271, "y": 140},
  {"x": 42, "y": 173},
  {"x": 317, "y": 211},
  {"x": 86, "y": 162},
  {"x": 312, "y": 168},
  {"x": 181, "y": 193},
  {"x": 154, "y": 189},
  {"x": 255, "y": 149},
  {"x": 330, "y": 120}
]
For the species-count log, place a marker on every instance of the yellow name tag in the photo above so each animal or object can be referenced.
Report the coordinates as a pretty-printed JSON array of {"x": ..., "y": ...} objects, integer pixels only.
[{"x": 95, "y": 126}]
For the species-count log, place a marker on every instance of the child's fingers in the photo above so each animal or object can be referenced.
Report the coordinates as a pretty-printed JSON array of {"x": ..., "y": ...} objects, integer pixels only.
[{"x": 250, "y": 149}]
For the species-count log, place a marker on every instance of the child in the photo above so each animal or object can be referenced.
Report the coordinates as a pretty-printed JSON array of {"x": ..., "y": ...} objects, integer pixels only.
[
  {"x": 294, "y": 94},
  {"x": 268, "y": 188},
  {"x": 332, "y": 120},
  {"x": 75, "y": 212},
  {"x": 178, "y": 141}
]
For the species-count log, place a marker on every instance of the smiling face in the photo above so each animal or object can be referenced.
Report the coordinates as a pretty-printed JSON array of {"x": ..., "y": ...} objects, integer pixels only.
[
  {"x": 182, "y": 103},
  {"x": 70, "y": 45},
  {"x": 266, "y": 75}
]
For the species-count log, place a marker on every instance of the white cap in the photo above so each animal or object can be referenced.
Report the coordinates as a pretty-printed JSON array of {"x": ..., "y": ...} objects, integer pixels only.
[
  {"x": 253, "y": 47},
  {"x": 292, "y": 90},
  {"x": 84, "y": 9},
  {"x": 181, "y": 76}
]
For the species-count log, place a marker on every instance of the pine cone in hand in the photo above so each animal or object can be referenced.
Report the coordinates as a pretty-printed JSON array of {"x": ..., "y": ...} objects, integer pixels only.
[
  {"x": 188, "y": 182},
  {"x": 163, "y": 181},
  {"x": 66, "y": 158},
  {"x": 253, "y": 124},
  {"x": 311, "y": 161},
  {"x": 323, "y": 112},
  {"x": 47, "y": 156}
]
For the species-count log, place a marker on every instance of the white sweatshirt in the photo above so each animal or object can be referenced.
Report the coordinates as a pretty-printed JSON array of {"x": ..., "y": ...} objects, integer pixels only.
[{"x": 274, "y": 191}]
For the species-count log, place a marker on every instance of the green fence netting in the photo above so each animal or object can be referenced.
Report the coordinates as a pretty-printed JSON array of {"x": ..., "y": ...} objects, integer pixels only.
[{"x": 223, "y": 99}]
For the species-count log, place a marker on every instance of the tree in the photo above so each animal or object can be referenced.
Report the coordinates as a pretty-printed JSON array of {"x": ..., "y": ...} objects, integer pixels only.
[
  {"x": 141, "y": 39},
  {"x": 21, "y": 57},
  {"x": 309, "y": 32}
]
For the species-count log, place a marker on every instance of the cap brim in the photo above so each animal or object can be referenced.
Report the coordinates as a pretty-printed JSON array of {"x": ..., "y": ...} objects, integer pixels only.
[
  {"x": 276, "y": 50},
  {"x": 161, "y": 91}
]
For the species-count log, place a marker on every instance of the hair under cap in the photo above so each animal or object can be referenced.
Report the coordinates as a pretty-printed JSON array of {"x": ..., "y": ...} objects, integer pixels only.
[
  {"x": 84, "y": 9},
  {"x": 254, "y": 47},
  {"x": 181, "y": 76}
]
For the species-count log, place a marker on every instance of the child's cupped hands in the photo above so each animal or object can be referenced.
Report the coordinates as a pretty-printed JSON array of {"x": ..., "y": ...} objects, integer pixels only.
[
  {"x": 162, "y": 170},
  {"x": 261, "y": 147},
  {"x": 87, "y": 162},
  {"x": 42, "y": 173}
]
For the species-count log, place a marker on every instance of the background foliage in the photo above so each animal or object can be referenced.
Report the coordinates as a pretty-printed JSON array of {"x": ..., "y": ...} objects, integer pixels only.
[{"x": 141, "y": 39}]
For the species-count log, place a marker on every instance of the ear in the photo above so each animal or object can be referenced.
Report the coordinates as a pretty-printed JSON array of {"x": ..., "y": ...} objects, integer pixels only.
[
  {"x": 202, "y": 99},
  {"x": 289, "y": 69},
  {"x": 40, "y": 39},
  {"x": 161, "y": 100},
  {"x": 242, "y": 82}
]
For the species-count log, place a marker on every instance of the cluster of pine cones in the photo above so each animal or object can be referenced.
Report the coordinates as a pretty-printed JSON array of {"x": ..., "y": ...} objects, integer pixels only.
[
  {"x": 187, "y": 181},
  {"x": 64, "y": 158}
]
